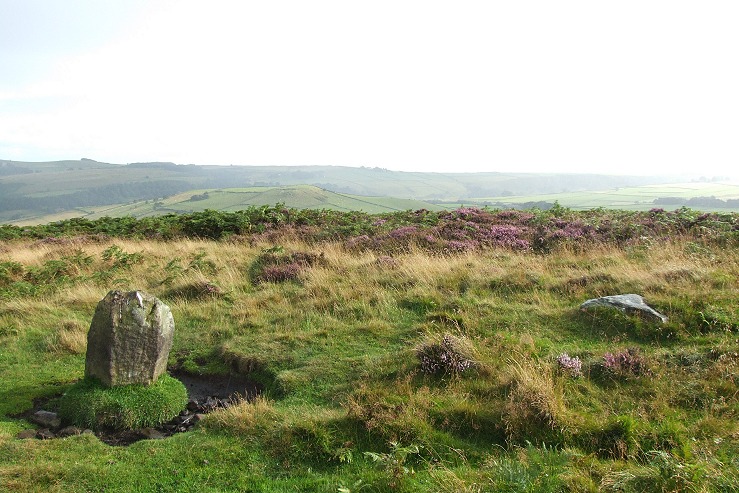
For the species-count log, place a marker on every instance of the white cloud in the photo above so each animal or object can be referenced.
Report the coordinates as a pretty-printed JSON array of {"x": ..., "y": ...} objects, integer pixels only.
[{"x": 567, "y": 86}]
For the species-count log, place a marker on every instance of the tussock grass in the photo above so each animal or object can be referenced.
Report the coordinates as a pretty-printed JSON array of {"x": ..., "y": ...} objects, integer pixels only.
[
  {"x": 71, "y": 338},
  {"x": 244, "y": 418},
  {"x": 534, "y": 410}
]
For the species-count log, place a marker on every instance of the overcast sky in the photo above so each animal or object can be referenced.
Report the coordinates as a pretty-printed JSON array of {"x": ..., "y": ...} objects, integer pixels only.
[{"x": 619, "y": 87}]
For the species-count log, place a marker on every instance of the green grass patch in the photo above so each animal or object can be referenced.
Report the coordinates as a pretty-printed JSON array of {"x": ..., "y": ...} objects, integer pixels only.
[{"x": 89, "y": 404}]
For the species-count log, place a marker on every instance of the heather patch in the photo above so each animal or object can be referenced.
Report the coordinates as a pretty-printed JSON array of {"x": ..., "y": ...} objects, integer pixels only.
[
  {"x": 276, "y": 266},
  {"x": 569, "y": 365},
  {"x": 540, "y": 230},
  {"x": 449, "y": 355},
  {"x": 629, "y": 362}
]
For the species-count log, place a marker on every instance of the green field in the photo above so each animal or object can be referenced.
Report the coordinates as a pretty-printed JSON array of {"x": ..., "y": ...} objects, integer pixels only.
[
  {"x": 629, "y": 198},
  {"x": 299, "y": 197}
]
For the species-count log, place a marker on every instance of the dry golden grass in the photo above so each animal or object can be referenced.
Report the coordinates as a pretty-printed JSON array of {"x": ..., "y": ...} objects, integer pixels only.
[
  {"x": 426, "y": 271},
  {"x": 417, "y": 268},
  {"x": 29, "y": 254},
  {"x": 82, "y": 295},
  {"x": 447, "y": 481},
  {"x": 71, "y": 338},
  {"x": 243, "y": 418},
  {"x": 26, "y": 309}
]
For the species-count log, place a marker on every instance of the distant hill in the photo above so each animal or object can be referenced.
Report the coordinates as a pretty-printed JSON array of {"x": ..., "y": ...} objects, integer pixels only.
[{"x": 29, "y": 191}]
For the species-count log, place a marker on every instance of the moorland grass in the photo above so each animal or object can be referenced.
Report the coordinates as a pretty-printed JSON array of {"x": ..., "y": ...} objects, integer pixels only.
[{"x": 347, "y": 404}]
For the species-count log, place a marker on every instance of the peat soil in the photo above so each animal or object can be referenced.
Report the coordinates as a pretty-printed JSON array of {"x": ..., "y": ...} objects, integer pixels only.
[{"x": 206, "y": 393}]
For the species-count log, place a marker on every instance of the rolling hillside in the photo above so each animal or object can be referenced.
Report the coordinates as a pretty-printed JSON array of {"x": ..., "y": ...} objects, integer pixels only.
[
  {"x": 37, "y": 192},
  {"x": 29, "y": 190},
  {"x": 233, "y": 199}
]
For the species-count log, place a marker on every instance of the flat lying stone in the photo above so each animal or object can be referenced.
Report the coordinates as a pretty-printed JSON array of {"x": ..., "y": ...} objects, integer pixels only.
[{"x": 629, "y": 303}]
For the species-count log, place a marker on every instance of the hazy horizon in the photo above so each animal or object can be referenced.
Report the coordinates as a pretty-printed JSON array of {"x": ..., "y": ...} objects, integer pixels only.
[
  {"x": 687, "y": 176},
  {"x": 575, "y": 87}
]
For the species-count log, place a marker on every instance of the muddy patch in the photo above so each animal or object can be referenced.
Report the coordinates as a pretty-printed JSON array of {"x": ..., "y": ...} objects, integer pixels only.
[{"x": 200, "y": 387}]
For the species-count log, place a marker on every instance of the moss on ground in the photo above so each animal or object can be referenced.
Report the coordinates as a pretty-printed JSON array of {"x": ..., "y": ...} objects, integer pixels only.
[{"x": 89, "y": 404}]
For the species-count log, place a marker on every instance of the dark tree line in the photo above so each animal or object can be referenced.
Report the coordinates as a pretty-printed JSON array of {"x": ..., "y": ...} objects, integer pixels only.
[{"x": 105, "y": 195}]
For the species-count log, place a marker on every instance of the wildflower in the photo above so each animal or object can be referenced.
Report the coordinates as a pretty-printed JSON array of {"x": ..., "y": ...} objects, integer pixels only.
[{"x": 572, "y": 366}]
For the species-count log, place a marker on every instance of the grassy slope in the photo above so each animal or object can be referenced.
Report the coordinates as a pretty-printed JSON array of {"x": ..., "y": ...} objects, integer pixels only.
[
  {"x": 298, "y": 196},
  {"x": 337, "y": 353},
  {"x": 233, "y": 199}
]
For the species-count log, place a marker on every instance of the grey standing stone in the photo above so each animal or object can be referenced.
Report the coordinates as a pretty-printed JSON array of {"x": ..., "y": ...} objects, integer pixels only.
[
  {"x": 129, "y": 340},
  {"x": 630, "y": 303}
]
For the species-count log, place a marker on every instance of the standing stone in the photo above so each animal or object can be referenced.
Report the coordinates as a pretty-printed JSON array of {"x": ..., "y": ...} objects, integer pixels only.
[{"x": 129, "y": 340}]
